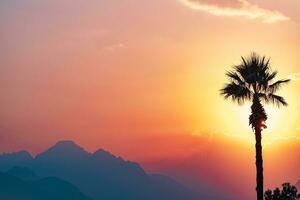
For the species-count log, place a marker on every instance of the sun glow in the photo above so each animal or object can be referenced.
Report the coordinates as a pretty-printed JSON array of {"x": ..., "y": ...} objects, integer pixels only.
[
  {"x": 272, "y": 123},
  {"x": 282, "y": 122}
]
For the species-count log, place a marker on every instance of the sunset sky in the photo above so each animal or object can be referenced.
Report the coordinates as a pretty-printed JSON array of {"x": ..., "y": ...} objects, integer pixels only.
[{"x": 142, "y": 78}]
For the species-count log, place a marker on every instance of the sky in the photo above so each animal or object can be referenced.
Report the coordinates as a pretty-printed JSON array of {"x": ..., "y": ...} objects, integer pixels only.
[{"x": 142, "y": 79}]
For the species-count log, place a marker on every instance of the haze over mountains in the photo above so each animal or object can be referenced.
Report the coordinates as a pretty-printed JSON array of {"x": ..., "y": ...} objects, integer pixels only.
[
  {"x": 226, "y": 162},
  {"x": 14, "y": 188},
  {"x": 99, "y": 175}
]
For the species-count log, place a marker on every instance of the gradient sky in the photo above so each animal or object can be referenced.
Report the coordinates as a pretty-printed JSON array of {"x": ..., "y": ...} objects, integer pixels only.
[{"x": 141, "y": 78}]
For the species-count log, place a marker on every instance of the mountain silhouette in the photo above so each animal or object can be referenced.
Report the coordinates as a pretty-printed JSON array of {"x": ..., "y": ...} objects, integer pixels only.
[
  {"x": 9, "y": 160},
  {"x": 101, "y": 175},
  {"x": 23, "y": 173},
  {"x": 63, "y": 150},
  {"x": 13, "y": 188}
]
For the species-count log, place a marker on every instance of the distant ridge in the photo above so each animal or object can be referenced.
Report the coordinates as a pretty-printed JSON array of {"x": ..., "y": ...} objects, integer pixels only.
[
  {"x": 23, "y": 173},
  {"x": 13, "y": 188},
  {"x": 9, "y": 160},
  {"x": 19, "y": 155},
  {"x": 100, "y": 175}
]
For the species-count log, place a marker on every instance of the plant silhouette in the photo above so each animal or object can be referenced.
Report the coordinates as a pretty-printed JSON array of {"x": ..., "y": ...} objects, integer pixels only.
[
  {"x": 253, "y": 80},
  {"x": 288, "y": 192}
]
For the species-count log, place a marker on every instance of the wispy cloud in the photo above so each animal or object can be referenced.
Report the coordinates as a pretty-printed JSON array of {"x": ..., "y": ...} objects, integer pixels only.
[
  {"x": 114, "y": 47},
  {"x": 235, "y": 8},
  {"x": 294, "y": 77}
]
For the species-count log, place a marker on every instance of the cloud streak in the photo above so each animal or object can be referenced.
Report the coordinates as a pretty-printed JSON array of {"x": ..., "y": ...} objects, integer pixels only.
[
  {"x": 294, "y": 77},
  {"x": 235, "y": 8}
]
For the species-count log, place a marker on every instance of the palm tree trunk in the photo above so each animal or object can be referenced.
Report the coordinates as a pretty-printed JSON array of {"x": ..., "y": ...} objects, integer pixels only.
[
  {"x": 257, "y": 118},
  {"x": 259, "y": 165}
]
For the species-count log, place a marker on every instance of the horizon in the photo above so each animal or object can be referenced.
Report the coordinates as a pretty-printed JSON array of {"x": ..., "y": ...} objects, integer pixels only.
[{"x": 203, "y": 162}]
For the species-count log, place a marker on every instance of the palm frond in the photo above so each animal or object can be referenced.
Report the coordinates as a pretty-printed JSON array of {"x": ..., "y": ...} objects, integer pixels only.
[
  {"x": 264, "y": 97},
  {"x": 276, "y": 86},
  {"x": 254, "y": 70},
  {"x": 233, "y": 76},
  {"x": 236, "y": 92},
  {"x": 271, "y": 76},
  {"x": 245, "y": 63},
  {"x": 265, "y": 79},
  {"x": 277, "y": 100}
]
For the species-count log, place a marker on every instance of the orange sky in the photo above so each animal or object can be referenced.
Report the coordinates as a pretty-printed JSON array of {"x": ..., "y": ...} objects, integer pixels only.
[{"x": 119, "y": 73}]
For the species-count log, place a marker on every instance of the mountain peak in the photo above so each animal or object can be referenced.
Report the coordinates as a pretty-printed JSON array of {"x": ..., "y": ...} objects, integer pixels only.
[
  {"x": 67, "y": 146},
  {"x": 106, "y": 155},
  {"x": 65, "y": 143},
  {"x": 64, "y": 148},
  {"x": 102, "y": 152}
]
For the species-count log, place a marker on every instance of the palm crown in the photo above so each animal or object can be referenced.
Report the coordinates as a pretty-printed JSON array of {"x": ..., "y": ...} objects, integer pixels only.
[{"x": 253, "y": 80}]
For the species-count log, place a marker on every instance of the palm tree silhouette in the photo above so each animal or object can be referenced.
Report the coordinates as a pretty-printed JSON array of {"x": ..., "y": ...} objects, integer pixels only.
[{"x": 253, "y": 80}]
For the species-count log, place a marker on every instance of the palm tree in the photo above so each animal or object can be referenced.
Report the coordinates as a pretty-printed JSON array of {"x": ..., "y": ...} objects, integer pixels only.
[{"x": 253, "y": 80}]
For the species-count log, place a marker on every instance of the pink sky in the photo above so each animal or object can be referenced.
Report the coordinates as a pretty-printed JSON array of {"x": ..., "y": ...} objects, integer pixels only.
[{"x": 141, "y": 79}]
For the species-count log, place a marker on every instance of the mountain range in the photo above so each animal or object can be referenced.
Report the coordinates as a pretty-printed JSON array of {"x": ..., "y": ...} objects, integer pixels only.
[{"x": 99, "y": 175}]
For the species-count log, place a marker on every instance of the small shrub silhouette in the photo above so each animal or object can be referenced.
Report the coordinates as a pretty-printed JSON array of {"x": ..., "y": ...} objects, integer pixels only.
[{"x": 288, "y": 192}]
